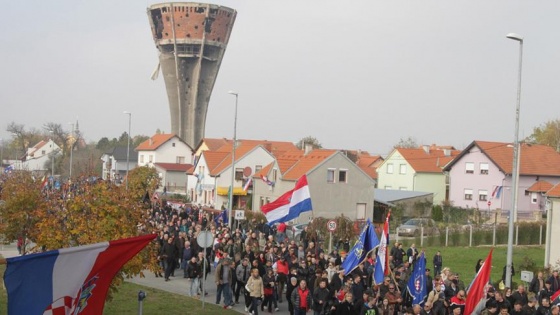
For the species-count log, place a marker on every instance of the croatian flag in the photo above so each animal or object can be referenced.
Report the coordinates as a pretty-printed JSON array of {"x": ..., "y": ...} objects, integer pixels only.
[
  {"x": 382, "y": 262},
  {"x": 478, "y": 288},
  {"x": 247, "y": 184},
  {"x": 69, "y": 280},
  {"x": 289, "y": 205}
]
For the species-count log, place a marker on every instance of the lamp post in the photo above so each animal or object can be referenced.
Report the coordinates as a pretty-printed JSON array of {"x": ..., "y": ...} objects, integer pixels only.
[
  {"x": 128, "y": 146},
  {"x": 71, "y": 150},
  {"x": 515, "y": 166},
  {"x": 233, "y": 158}
]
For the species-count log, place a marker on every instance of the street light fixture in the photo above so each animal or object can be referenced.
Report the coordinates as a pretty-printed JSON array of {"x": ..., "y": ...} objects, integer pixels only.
[
  {"x": 71, "y": 150},
  {"x": 128, "y": 146},
  {"x": 515, "y": 166},
  {"x": 233, "y": 158}
]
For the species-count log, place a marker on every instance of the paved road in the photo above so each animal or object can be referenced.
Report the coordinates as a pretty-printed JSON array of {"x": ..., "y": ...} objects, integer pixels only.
[{"x": 177, "y": 284}]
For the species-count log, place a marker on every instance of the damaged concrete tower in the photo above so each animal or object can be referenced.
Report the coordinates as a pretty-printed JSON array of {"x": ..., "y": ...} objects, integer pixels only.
[{"x": 191, "y": 38}]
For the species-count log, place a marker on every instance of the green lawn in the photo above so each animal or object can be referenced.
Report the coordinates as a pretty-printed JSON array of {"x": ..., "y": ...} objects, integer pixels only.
[
  {"x": 463, "y": 259},
  {"x": 125, "y": 302}
]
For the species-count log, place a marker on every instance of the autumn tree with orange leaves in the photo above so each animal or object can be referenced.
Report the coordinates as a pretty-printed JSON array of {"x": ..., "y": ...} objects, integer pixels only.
[{"x": 94, "y": 212}]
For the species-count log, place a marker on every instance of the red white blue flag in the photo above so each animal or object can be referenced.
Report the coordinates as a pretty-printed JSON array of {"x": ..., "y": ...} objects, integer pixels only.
[
  {"x": 382, "y": 261},
  {"x": 290, "y": 204},
  {"x": 67, "y": 281}
]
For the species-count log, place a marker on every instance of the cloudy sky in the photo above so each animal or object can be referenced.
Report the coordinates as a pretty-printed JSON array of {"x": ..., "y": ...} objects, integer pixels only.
[{"x": 354, "y": 74}]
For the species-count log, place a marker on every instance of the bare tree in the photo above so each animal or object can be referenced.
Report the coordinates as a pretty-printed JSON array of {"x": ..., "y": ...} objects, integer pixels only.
[{"x": 58, "y": 135}]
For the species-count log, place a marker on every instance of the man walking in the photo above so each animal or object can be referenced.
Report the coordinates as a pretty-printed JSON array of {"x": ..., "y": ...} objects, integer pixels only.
[{"x": 224, "y": 276}]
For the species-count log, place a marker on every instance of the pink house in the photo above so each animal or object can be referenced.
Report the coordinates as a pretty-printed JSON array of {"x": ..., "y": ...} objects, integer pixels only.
[{"x": 480, "y": 177}]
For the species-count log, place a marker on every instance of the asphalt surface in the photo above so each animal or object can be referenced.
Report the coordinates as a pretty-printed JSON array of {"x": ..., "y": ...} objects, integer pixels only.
[{"x": 177, "y": 285}]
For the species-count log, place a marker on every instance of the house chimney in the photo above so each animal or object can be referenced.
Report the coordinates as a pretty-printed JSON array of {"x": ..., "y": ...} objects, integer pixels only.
[
  {"x": 151, "y": 141},
  {"x": 307, "y": 147},
  {"x": 447, "y": 152},
  {"x": 426, "y": 148}
]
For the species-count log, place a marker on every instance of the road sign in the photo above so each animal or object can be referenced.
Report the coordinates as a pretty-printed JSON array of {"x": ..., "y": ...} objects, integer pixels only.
[
  {"x": 331, "y": 225},
  {"x": 239, "y": 215},
  {"x": 489, "y": 203},
  {"x": 205, "y": 239}
]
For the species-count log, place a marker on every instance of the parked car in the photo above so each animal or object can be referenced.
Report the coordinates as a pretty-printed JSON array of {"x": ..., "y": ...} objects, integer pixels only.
[
  {"x": 413, "y": 227},
  {"x": 293, "y": 232}
]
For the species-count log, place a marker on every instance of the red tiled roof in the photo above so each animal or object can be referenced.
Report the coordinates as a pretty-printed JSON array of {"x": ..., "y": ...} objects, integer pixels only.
[
  {"x": 214, "y": 144},
  {"x": 307, "y": 162},
  {"x": 154, "y": 142},
  {"x": 213, "y": 158},
  {"x": 277, "y": 148},
  {"x": 432, "y": 161},
  {"x": 36, "y": 147},
  {"x": 535, "y": 159},
  {"x": 174, "y": 167},
  {"x": 368, "y": 164},
  {"x": 540, "y": 186},
  {"x": 240, "y": 151},
  {"x": 190, "y": 170},
  {"x": 554, "y": 192}
]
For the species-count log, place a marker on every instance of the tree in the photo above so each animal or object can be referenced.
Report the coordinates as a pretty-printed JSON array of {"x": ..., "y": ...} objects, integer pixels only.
[
  {"x": 309, "y": 140},
  {"x": 137, "y": 140},
  {"x": 23, "y": 203},
  {"x": 409, "y": 143},
  {"x": 547, "y": 134},
  {"x": 58, "y": 135}
]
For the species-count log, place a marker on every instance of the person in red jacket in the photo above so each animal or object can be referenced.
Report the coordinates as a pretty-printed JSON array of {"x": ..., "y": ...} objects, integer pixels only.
[
  {"x": 459, "y": 300},
  {"x": 283, "y": 270},
  {"x": 301, "y": 299}
]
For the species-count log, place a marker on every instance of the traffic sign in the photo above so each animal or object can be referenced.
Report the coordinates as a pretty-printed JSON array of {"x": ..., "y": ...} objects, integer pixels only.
[
  {"x": 239, "y": 215},
  {"x": 489, "y": 203},
  {"x": 331, "y": 225},
  {"x": 205, "y": 239}
]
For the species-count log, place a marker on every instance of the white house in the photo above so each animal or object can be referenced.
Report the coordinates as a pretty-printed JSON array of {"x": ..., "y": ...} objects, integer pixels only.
[
  {"x": 37, "y": 156},
  {"x": 115, "y": 163},
  {"x": 164, "y": 148}
]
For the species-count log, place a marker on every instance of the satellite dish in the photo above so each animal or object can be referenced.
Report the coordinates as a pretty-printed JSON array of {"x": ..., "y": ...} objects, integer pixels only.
[{"x": 247, "y": 171}]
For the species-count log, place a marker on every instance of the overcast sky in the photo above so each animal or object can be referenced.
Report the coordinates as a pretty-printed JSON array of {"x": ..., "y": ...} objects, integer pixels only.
[{"x": 354, "y": 74}]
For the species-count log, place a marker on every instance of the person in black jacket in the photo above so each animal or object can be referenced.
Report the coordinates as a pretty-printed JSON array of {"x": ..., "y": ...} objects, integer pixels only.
[
  {"x": 347, "y": 306},
  {"x": 168, "y": 254},
  {"x": 320, "y": 297},
  {"x": 193, "y": 272},
  {"x": 291, "y": 285}
]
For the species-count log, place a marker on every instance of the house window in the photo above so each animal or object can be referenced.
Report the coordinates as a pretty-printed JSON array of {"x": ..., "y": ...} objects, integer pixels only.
[
  {"x": 468, "y": 194},
  {"x": 402, "y": 188},
  {"x": 484, "y": 168},
  {"x": 534, "y": 198},
  {"x": 388, "y": 187},
  {"x": 173, "y": 144},
  {"x": 200, "y": 170},
  {"x": 151, "y": 159},
  {"x": 43, "y": 152},
  {"x": 342, "y": 176},
  {"x": 258, "y": 168},
  {"x": 180, "y": 160},
  {"x": 483, "y": 195},
  {"x": 141, "y": 158},
  {"x": 389, "y": 168},
  {"x": 274, "y": 175},
  {"x": 402, "y": 169},
  {"x": 469, "y": 168},
  {"x": 360, "y": 211},
  {"x": 330, "y": 176},
  {"x": 239, "y": 174}
]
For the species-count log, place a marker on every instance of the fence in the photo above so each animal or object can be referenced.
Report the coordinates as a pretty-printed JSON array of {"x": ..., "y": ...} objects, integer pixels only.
[{"x": 524, "y": 234}]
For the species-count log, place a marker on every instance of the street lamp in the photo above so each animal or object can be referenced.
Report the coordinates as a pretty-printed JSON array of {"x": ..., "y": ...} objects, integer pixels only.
[
  {"x": 233, "y": 157},
  {"x": 515, "y": 167},
  {"x": 128, "y": 146},
  {"x": 71, "y": 150}
]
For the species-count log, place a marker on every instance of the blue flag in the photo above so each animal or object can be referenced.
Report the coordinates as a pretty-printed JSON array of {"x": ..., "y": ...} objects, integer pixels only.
[
  {"x": 366, "y": 243},
  {"x": 417, "y": 282},
  {"x": 223, "y": 215}
]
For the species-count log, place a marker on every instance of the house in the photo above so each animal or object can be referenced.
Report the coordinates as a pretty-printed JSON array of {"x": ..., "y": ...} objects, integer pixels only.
[
  {"x": 164, "y": 148},
  {"x": 552, "y": 252},
  {"x": 417, "y": 169},
  {"x": 39, "y": 157},
  {"x": 173, "y": 176},
  {"x": 481, "y": 176},
  {"x": 115, "y": 163},
  {"x": 369, "y": 164},
  {"x": 336, "y": 184},
  {"x": 213, "y": 169}
]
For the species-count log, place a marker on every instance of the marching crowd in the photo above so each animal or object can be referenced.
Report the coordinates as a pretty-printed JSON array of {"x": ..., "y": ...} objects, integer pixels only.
[{"x": 262, "y": 268}]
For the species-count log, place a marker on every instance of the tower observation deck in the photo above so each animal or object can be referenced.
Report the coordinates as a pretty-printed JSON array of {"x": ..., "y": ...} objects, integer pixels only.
[{"x": 192, "y": 39}]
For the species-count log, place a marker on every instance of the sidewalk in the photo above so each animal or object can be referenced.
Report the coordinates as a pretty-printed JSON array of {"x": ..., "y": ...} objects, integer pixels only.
[{"x": 177, "y": 284}]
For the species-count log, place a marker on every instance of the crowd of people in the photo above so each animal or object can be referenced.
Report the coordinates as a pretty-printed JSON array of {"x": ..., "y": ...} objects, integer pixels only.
[{"x": 261, "y": 268}]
